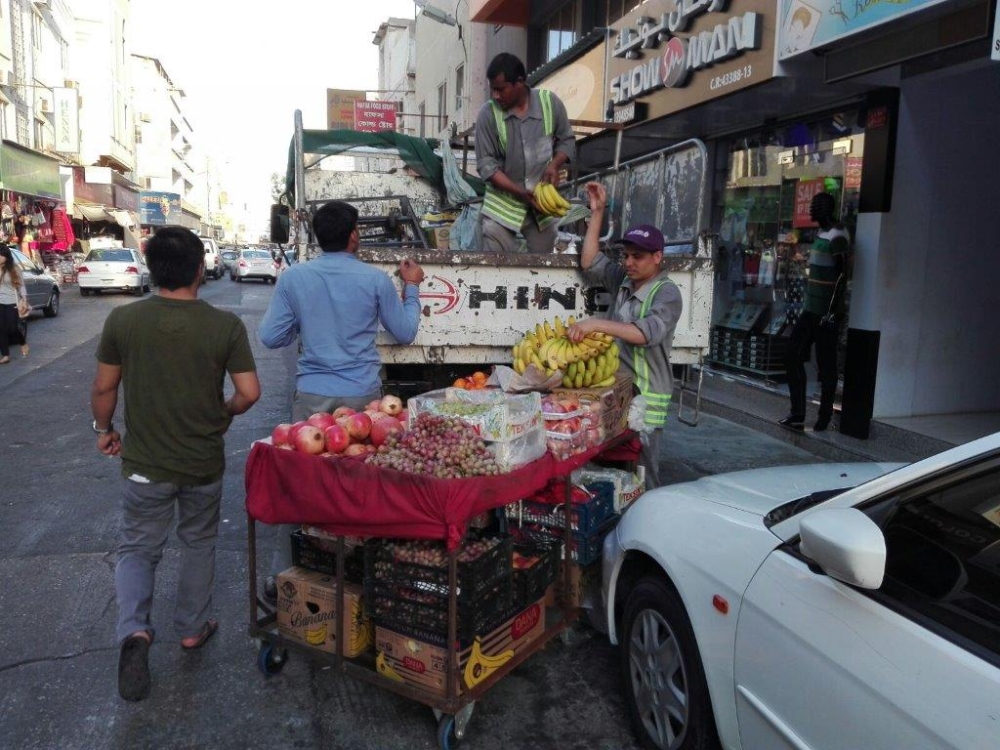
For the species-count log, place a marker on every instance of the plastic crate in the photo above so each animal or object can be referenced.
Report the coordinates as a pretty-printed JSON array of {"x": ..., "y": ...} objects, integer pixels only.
[
  {"x": 320, "y": 555},
  {"x": 585, "y": 548},
  {"x": 424, "y": 615},
  {"x": 386, "y": 561},
  {"x": 530, "y": 583},
  {"x": 584, "y": 517}
]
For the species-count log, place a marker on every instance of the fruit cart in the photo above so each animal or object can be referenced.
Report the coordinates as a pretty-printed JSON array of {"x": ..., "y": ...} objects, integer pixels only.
[{"x": 349, "y": 498}]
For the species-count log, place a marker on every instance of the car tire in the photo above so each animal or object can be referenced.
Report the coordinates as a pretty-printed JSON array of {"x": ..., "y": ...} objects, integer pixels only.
[
  {"x": 670, "y": 707},
  {"x": 52, "y": 309},
  {"x": 146, "y": 288},
  {"x": 239, "y": 279},
  {"x": 85, "y": 292},
  {"x": 273, "y": 280}
]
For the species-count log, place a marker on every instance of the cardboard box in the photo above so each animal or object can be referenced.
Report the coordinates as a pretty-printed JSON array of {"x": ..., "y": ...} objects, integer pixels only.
[
  {"x": 439, "y": 237},
  {"x": 614, "y": 399},
  {"x": 423, "y": 665},
  {"x": 307, "y": 604},
  {"x": 585, "y": 585}
]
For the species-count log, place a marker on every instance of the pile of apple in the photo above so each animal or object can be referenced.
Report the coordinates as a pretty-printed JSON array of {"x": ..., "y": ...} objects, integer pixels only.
[
  {"x": 346, "y": 432},
  {"x": 572, "y": 424}
]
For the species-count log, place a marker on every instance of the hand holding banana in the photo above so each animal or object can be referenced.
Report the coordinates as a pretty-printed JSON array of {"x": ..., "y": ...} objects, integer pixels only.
[
  {"x": 549, "y": 200},
  {"x": 592, "y": 359}
]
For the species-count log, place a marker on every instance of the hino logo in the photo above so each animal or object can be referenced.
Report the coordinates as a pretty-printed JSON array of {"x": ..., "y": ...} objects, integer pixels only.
[{"x": 444, "y": 296}]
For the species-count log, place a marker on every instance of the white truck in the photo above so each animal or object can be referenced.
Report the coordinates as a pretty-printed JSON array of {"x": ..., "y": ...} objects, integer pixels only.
[{"x": 477, "y": 305}]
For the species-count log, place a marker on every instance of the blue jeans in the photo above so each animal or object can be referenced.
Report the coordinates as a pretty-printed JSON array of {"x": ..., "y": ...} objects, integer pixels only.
[{"x": 147, "y": 515}]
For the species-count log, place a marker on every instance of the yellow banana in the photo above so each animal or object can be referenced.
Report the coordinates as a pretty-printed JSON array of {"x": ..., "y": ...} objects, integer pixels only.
[
  {"x": 559, "y": 327},
  {"x": 557, "y": 200},
  {"x": 316, "y": 636},
  {"x": 383, "y": 668},
  {"x": 567, "y": 381},
  {"x": 549, "y": 333},
  {"x": 479, "y": 666},
  {"x": 578, "y": 380},
  {"x": 606, "y": 383},
  {"x": 539, "y": 333},
  {"x": 542, "y": 199},
  {"x": 571, "y": 321}
]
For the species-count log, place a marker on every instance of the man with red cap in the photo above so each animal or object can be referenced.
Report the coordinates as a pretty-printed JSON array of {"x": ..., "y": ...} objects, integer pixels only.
[{"x": 645, "y": 308}]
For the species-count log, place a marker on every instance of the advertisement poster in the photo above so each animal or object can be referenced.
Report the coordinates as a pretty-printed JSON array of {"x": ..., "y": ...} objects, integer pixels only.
[
  {"x": 807, "y": 25},
  {"x": 805, "y": 191},
  {"x": 375, "y": 117},
  {"x": 340, "y": 108}
]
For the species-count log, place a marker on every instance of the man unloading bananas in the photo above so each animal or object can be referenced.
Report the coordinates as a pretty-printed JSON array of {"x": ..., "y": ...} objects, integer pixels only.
[
  {"x": 523, "y": 139},
  {"x": 645, "y": 308}
]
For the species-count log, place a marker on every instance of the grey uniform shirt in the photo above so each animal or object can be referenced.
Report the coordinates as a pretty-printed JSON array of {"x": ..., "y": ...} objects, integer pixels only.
[
  {"x": 528, "y": 148},
  {"x": 658, "y": 326}
]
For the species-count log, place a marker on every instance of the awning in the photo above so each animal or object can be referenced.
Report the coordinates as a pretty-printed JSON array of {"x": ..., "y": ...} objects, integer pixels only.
[
  {"x": 91, "y": 213},
  {"x": 123, "y": 218}
]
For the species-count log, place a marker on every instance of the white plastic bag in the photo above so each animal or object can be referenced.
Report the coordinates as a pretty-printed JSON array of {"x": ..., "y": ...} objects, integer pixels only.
[{"x": 637, "y": 415}]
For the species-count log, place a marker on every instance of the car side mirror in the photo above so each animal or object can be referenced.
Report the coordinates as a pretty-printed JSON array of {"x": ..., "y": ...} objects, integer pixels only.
[{"x": 846, "y": 544}]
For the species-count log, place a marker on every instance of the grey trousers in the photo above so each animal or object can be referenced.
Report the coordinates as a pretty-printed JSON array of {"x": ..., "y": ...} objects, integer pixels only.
[
  {"x": 305, "y": 405},
  {"x": 649, "y": 456},
  {"x": 498, "y": 239},
  {"x": 147, "y": 515}
]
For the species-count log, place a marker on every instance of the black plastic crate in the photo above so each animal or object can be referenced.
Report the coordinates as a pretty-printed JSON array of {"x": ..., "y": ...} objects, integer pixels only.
[
  {"x": 530, "y": 583},
  {"x": 585, "y": 548},
  {"x": 393, "y": 561},
  {"x": 315, "y": 553},
  {"x": 584, "y": 517},
  {"x": 425, "y": 615}
]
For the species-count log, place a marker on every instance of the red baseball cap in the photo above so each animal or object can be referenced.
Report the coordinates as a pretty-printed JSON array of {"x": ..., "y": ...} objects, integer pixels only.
[{"x": 644, "y": 237}]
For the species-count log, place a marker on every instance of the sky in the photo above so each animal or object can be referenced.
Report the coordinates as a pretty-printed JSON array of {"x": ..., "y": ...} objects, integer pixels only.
[{"x": 246, "y": 67}]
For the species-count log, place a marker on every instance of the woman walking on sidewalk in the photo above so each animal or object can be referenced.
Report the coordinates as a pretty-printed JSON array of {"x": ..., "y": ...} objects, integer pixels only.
[{"x": 13, "y": 306}]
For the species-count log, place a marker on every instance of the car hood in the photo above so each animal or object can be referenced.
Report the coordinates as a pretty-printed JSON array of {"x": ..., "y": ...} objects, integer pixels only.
[{"x": 759, "y": 491}]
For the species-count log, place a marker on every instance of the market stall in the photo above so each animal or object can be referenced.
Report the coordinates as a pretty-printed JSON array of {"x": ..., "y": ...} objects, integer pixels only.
[{"x": 455, "y": 602}]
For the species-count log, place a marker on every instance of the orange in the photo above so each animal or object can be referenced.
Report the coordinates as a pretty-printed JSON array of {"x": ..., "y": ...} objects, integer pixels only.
[
  {"x": 480, "y": 377},
  {"x": 460, "y": 383}
]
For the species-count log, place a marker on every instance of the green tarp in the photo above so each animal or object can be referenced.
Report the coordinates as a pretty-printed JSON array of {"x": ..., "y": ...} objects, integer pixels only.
[{"x": 418, "y": 153}]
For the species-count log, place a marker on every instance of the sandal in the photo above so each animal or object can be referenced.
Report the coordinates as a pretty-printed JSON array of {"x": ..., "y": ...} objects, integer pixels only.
[
  {"x": 24, "y": 350},
  {"x": 206, "y": 632},
  {"x": 133, "y": 667},
  {"x": 4, "y": 360}
]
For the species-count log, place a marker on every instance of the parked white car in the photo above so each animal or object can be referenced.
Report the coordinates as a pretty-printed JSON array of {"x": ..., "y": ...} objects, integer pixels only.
[
  {"x": 835, "y": 606},
  {"x": 214, "y": 266},
  {"x": 114, "y": 269},
  {"x": 254, "y": 264}
]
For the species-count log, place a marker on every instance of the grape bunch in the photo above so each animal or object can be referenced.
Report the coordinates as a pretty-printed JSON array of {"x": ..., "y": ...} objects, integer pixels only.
[{"x": 442, "y": 447}]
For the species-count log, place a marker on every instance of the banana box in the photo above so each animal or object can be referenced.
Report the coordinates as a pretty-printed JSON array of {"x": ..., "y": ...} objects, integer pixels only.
[
  {"x": 615, "y": 401},
  {"x": 307, "y": 612},
  {"x": 406, "y": 659}
]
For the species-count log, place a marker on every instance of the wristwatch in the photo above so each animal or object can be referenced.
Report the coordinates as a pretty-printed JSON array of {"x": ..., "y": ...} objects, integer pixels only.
[{"x": 99, "y": 431}]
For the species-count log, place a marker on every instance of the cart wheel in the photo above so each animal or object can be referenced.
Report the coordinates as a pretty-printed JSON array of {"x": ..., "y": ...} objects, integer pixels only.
[
  {"x": 271, "y": 660},
  {"x": 446, "y": 732}
]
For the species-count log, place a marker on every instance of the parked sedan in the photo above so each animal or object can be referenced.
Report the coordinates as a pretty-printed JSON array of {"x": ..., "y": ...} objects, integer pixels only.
[
  {"x": 43, "y": 289},
  {"x": 114, "y": 268},
  {"x": 829, "y": 606},
  {"x": 254, "y": 264}
]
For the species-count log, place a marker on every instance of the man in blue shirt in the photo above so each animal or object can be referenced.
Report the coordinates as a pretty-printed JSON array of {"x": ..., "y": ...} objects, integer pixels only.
[{"x": 335, "y": 304}]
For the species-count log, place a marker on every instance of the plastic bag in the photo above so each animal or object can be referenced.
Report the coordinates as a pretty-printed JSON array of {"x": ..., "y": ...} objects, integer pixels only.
[{"x": 637, "y": 415}]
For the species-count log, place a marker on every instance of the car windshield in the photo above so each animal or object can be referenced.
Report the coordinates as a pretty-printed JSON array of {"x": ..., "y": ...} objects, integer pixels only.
[
  {"x": 257, "y": 254},
  {"x": 111, "y": 254},
  {"x": 229, "y": 255}
]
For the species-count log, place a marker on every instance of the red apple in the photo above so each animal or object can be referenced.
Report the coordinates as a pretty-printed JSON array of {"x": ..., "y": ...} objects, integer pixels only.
[
  {"x": 342, "y": 411},
  {"x": 391, "y": 405},
  {"x": 294, "y": 431},
  {"x": 382, "y": 429},
  {"x": 356, "y": 449},
  {"x": 358, "y": 426},
  {"x": 373, "y": 405},
  {"x": 337, "y": 438},
  {"x": 281, "y": 435},
  {"x": 321, "y": 419},
  {"x": 310, "y": 440}
]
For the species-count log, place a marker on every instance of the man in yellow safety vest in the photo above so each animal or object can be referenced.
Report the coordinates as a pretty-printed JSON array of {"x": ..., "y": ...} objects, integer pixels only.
[
  {"x": 645, "y": 308},
  {"x": 523, "y": 138}
]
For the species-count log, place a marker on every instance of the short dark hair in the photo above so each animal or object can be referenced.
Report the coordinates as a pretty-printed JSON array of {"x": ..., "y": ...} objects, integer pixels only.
[
  {"x": 333, "y": 224},
  {"x": 509, "y": 65},
  {"x": 174, "y": 256}
]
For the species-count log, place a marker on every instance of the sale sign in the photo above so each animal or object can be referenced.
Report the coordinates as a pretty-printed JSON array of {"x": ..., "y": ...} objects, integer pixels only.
[
  {"x": 374, "y": 117},
  {"x": 805, "y": 191}
]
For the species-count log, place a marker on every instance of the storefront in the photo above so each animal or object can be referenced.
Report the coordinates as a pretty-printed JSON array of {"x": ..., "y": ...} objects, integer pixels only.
[
  {"x": 32, "y": 208},
  {"x": 105, "y": 204}
]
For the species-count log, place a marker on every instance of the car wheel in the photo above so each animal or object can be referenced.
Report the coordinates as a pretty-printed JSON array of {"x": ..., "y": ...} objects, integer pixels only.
[
  {"x": 52, "y": 309},
  {"x": 84, "y": 292},
  {"x": 239, "y": 279},
  {"x": 273, "y": 280},
  {"x": 146, "y": 288},
  {"x": 664, "y": 679}
]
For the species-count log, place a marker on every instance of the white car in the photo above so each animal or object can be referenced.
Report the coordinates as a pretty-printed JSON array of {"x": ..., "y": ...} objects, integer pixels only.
[
  {"x": 254, "y": 264},
  {"x": 835, "y": 607},
  {"x": 214, "y": 266},
  {"x": 113, "y": 268}
]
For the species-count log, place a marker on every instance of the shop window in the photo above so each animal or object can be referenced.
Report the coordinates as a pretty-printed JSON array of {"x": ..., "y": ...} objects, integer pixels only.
[
  {"x": 459, "y": 87},
  {"x": 443, "y": 106},
  {"x": 561, "y": 31},
  {"x": 762, "y": 219}
]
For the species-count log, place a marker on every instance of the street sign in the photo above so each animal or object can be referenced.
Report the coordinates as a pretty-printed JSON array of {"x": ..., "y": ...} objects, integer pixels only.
[{"x": 374, "y": 117}]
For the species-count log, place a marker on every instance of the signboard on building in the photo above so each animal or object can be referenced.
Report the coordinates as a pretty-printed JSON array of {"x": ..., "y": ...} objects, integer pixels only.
[
  {"x": 675, "y": 55},
  {"x": 340, "y": 108},
  {"x": 66, "y": 111},
  {"x": 807, "y": 24},
  {"x": 159, "y": 209},
  {"x": 28, "y": 172},
  {"x": 375, "y": 117},
  {"x": 580, "y": 86},
  {"x": 805, "y": 191},
  {"x": 995, "y": 46}
]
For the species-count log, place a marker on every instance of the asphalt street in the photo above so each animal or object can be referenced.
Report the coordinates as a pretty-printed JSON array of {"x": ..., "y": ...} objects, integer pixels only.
[{"x": 59, "y": 519}]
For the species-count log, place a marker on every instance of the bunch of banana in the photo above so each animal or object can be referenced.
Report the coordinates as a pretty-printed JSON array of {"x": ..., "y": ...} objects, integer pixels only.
[
  {"x": 549, "y": 200},
  {"x": 548, "y": 348},
  {"x": 316, "y": 636},
  {"x": 480, "y": 666}
]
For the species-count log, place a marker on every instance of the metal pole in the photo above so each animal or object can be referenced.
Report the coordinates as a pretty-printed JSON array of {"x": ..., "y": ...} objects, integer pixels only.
[{"x": 301, "y": 227}]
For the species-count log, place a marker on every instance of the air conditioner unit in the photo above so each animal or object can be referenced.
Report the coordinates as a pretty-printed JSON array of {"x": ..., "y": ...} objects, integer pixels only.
[{"x": 45, "y": 105}]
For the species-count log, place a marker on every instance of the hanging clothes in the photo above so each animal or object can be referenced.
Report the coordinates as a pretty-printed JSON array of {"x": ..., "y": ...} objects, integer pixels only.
[{"x": 62, "y": 230}]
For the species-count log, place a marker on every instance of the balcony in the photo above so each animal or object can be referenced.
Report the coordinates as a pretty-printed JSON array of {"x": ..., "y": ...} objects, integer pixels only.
[{"x": 508, "y": 12}]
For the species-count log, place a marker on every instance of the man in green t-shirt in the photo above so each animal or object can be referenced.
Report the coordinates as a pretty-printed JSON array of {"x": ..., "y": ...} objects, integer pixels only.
[{"x": 171, "y": 352}]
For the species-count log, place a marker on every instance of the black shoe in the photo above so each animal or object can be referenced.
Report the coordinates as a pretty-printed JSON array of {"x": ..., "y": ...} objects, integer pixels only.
[
  {"x": 133, "y": 668},
  {"x": 271, "y": 591},
  {"x": 793, "y": 422},
  {"x": 822, "y": 422}
]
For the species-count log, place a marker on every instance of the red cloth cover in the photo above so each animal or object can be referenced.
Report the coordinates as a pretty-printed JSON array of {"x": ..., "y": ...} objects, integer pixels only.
[{"x": 347, "y": 496}]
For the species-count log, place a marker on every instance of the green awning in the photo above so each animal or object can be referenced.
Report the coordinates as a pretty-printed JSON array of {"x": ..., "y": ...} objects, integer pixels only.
[
  {"x": 417, "y": 153},
  {"x": 29, "y": 172}
]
